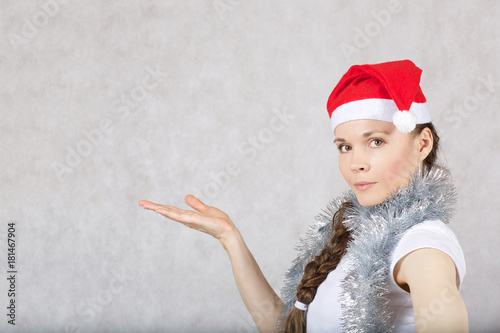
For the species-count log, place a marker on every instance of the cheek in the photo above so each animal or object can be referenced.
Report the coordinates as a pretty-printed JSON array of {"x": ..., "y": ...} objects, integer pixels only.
[
  {"x": 344, "y": 168},
  {"x": 393, "y": 171},
  {"x": 397, "y": 169}
]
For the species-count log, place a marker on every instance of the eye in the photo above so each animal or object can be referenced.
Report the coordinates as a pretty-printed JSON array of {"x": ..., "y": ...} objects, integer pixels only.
[
  {"x": 341, "y": 148},
  {"x": 378, "y": 142}
]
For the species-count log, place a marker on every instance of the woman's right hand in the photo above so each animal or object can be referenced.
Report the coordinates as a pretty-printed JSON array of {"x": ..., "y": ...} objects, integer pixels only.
[
  {"x": 259, "y": 297},
  {"x": 205, "y": 218}
]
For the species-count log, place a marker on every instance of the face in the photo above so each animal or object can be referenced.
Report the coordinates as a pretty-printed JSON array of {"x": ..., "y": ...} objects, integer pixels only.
[{"x": 376, "y": 152}]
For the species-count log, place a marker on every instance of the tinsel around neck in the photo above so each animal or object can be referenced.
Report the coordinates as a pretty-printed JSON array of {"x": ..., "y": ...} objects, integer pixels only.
[
  {"x": 375, "y": 230},
  {"x": 431, "y": 191}
]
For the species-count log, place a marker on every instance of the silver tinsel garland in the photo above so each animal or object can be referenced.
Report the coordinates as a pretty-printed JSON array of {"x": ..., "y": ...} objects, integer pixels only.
[{"x": 375, "y": 231}]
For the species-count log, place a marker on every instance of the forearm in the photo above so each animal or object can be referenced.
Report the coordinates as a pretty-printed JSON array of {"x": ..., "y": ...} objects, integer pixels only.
[{"x": 259, "y": 297}]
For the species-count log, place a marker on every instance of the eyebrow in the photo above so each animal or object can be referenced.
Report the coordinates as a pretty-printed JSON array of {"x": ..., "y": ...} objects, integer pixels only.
[{"x": 366, "y": 134}]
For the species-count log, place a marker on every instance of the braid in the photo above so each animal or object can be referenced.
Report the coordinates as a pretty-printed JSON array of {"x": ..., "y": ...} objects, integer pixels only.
[{"x": 318, "y": 269}]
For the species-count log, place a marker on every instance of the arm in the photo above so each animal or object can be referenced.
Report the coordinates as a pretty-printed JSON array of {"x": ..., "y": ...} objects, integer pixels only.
[
  {"x": 430, "y": 275},
  {"x": 260, "y": 299}
]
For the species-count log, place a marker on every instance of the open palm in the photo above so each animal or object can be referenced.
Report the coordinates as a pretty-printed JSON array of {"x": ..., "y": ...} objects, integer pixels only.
[{"x": 204, "y": 218}]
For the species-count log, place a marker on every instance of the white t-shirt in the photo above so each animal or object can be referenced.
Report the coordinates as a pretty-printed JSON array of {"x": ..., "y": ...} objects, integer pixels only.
[{"x": 324, "y": 312}]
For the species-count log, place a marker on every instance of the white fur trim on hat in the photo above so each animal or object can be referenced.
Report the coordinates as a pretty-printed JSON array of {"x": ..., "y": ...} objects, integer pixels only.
[{"x": 376, "y": 109}]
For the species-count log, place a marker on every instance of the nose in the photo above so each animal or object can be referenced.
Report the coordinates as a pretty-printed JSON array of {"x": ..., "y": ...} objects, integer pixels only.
[{"x": 359, "y": 161}]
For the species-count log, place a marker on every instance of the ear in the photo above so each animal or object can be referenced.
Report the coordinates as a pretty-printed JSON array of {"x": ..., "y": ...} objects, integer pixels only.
[{"x": 424, "y": 142}]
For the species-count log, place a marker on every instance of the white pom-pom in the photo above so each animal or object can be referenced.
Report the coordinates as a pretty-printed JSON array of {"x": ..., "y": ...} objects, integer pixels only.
[{"x": 405, "y": 121}]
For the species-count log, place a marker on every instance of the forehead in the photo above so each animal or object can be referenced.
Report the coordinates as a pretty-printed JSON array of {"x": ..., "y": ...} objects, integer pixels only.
[{"x": 362, "y": 127}]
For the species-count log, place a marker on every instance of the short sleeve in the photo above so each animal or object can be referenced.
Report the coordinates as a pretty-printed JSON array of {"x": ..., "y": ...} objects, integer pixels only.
[{"x": 430, "y": 234}]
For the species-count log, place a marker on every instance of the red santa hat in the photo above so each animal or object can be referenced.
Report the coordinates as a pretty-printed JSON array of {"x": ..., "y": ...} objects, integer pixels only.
[{"x": 388, "y": 91}]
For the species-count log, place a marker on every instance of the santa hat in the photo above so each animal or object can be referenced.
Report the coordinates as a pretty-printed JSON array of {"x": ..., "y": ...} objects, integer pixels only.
[{"x": 388, "y": 91}]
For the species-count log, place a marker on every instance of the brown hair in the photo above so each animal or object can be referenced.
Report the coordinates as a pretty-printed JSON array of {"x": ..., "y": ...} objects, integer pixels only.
[{"x": 318, "y": 269}]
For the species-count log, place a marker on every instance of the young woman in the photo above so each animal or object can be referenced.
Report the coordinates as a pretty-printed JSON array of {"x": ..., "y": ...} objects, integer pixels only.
[{"x": 380, "y": 257}]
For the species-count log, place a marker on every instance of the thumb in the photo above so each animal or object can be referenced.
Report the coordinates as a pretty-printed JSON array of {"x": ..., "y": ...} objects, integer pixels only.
[{"x": 194, "y": 202}]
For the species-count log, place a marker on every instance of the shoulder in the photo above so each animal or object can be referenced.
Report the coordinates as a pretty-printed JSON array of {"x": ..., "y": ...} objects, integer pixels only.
[
  {"x": 428, "y": 244},
  {"x": 426, "y": 266},
  {"x": 431, "y": 277}
]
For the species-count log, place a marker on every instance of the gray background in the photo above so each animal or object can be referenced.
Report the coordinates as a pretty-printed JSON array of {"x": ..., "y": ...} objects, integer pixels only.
[{"x": 87, "y": 132}]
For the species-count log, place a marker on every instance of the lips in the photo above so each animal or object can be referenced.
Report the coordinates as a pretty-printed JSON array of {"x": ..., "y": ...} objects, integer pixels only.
[{"x": 363, "y": 185}]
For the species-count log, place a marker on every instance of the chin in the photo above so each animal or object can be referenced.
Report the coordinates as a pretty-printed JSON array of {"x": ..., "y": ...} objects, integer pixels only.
[{"x": 367, "y": 202}]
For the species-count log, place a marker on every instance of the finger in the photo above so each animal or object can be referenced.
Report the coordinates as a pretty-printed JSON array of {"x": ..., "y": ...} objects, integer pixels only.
[
  {"x": 148, "y": 205},
  {"x": 179, "y": 216},
  {"x": 168, "y": 213},
  {"x": 196, "y": 203},
  {"x": 154, "y": 206}
]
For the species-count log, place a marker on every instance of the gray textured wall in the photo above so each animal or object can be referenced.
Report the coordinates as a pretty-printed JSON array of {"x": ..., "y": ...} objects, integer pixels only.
[{"x": 105, "y": 103}]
